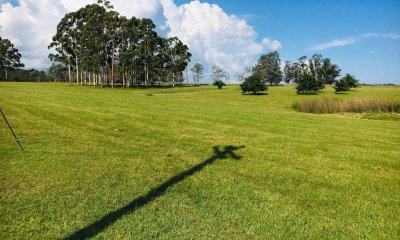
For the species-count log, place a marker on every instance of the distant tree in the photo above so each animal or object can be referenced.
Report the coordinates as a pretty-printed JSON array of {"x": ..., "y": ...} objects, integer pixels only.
[
  {"x": 319, "y": 68},
  {"x": 178, "y": 58},
  {"x": 57, "y": 73},
  {"x": 253, "y": 84},
  {"x": 307, "y": 83},
  {"x": 303, "y": 64},
  {"x": 219, "y": 84},
  {"x": 219, "y": 74},
  {"x": 197, "y": 71},
  {"x": 291, "y": 72},
  {"x": 268, "y": 68},
  {"x": 315, "y": 65},
  {"x": 240, "y": 76},
  {"x": 340, "y": 86},
  {"x": 65, "y": 44},
  {"x": 346, "y": 83},
  {"x": 104, "y": 48},
  {"x": 352, "y": 81},
  {"x": 10, "y": 58},
  {"x": 329, "y": 71}
]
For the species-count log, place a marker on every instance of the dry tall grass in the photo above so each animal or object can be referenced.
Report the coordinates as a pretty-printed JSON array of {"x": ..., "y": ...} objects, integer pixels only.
[{"x": 358, "y": 105}]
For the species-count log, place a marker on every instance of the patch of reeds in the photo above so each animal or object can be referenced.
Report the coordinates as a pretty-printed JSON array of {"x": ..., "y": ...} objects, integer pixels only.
[{"x": 357, "y": 105}]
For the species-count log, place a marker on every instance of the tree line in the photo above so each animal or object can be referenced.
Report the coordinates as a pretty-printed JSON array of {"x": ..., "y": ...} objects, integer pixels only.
[
  {"x": 97, "y": 46},
  {"x": 309, "y": 74},
  {"x": 100, "y": 47}
]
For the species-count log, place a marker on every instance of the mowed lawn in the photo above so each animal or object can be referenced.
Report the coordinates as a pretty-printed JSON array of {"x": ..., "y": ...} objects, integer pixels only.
[{"x": 194, "y": 163}]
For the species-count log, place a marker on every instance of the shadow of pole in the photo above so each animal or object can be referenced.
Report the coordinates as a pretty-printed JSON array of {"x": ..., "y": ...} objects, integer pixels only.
[{"x": 97, "y": 227}]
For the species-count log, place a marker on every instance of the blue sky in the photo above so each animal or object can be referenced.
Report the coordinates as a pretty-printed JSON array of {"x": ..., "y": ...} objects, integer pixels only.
[
  {"x": 362, "y": 37},
  {"x": 299, "y": 25}
]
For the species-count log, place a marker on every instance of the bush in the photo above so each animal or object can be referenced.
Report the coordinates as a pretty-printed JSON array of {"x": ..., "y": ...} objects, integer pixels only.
[
  {"x": 253, "y": 84},
  {"x": 344, "y": 84},
  {"x": 307, "y": 83},
  {"x": 358, "y": 105},
  {"x": 219, "y": 84}
]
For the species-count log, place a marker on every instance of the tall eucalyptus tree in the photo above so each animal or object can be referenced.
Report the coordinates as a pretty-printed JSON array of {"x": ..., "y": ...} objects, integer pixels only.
[
  {"x": 177, "y": 58},
  {"x": 104, "y": 47},
  {"x": 10, "y": 58}
]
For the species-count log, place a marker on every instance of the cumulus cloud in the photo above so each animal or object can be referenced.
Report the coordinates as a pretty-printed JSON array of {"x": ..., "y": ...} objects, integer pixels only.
[
  {"x": 30, "y": 27},
  {"x": 271, "y": 44},
  {"x": 213, "y": 36},
  {"x": 137, "y": 8},
  {"x": 32, "y": 23}
]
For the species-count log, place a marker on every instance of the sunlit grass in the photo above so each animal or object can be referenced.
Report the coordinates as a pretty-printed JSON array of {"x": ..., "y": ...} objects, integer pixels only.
[{"x": 92, "y": 151}]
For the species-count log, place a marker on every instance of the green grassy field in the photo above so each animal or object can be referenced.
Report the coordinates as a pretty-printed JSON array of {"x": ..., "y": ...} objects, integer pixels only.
[{"x": 194, "y": 163}]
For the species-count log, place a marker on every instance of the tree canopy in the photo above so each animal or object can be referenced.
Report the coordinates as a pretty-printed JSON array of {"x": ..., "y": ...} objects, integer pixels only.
[
  {"x": 346, "y": 83},
  {"x": 102, "y": 48},
  {"x": 219, "y": 74},
  {"x": 253, "y": 84},
  {"x": 197, "y": 71},
  {"x": 268, "y": 68},
  {"x": 10, "y": 58},
  {"x": 219, "y": 84},
  {"x": 311, "y": 74}
]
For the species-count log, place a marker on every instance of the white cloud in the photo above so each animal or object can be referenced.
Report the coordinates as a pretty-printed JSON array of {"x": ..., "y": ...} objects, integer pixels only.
[
  {"x": 394, "y": 36},
  {"x": 30, "y": 27},
  {"x": 213, "y": 36},
  {"x": 137, "y": 8},
  {"x": 31, "y": 24},
  {"x": 352, "y": 40},
  {"x": 334, "y": 43},
  {"x": 271, "y": 44}
]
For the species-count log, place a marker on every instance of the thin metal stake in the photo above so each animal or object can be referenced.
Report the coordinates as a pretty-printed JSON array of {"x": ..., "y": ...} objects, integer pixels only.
[{"x": 9, "y": 126}]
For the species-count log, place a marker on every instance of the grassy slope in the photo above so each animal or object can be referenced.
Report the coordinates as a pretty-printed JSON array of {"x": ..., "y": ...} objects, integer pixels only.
[{"x": 92, "y": 151}]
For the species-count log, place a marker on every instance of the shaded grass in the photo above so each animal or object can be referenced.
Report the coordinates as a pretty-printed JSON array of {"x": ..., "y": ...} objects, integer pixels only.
[
  {"x": 357, "y": 105},
  {"x": 90, "y": 152}
]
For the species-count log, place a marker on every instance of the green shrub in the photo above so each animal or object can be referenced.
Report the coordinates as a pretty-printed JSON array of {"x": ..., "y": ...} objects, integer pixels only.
[
  {"x": 253, "y": 84},
  {"x": 346, "y": 83},
  {"x": 307, "y": 84},
  {"x": 358, "y": 105},
  {"x": 219, "y": 84}
]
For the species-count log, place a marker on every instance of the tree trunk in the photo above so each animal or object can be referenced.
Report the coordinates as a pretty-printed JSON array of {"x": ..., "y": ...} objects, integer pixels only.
[
  {"x": 77, "y": 70},
  {"x": 187, "y": 76},
  {"x": 69, "y": 73},
  {"x": 147, "y": 74},
  {"x": 6, "y": 74},
  {"x": 112, "y": 66}
]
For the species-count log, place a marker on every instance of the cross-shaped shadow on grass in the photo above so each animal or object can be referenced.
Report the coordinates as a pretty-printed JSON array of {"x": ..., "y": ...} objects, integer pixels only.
[{"x": 97, "y": 227}]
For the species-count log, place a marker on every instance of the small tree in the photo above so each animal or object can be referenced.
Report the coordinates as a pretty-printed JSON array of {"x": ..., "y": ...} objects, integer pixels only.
[
  {"x": 307, "y": 83},
  {"x": 218, "y": 73},
  {"x": 10, "y": 58},
  {"x": 253, "y": 84},
  {"x": 329, "y": 71},
  {"x": 219, "y": 84},
  {"x": 291, "y": 72},
  {"x": 197, "y": 70},
  {"x": 345, "y": 83},
  {"x": 268, "y": 68},
  {"x": 57, "y": 73}
]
